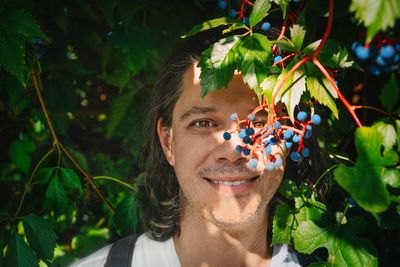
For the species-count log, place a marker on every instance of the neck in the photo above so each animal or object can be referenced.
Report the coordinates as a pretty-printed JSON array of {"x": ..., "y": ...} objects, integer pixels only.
[{"x": 202, "y": 243}]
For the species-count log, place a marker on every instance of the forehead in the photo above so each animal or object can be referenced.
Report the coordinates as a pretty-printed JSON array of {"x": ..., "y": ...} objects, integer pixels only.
[{"x": 236, "y": 95}]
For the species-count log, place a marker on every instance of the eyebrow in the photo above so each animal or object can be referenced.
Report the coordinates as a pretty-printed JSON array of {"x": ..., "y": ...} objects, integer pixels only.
[{"x": 196, "y": 110}]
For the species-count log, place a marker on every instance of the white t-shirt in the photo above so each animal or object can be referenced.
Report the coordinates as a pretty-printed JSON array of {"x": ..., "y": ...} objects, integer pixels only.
[{"x": 151, "y": 253}]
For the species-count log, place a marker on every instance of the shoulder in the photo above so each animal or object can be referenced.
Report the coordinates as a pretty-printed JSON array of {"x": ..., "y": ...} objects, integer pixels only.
[
  {"x": 96, "y": 259},
  {"x": 284, "y": 256}
]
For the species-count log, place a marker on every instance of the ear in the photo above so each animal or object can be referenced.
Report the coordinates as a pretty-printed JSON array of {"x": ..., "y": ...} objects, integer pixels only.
[{"x": 165, "y": 135}]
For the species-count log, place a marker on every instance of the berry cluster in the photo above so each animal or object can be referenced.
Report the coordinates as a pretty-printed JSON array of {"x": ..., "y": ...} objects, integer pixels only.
[
  {"x": 381, "y": 57},
  {"x": 276, "y": 133}
]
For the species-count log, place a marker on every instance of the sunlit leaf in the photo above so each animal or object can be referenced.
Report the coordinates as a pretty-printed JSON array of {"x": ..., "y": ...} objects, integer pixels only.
[
  {"x": 210, "y": 24},
  {"x": 259, "y": 11},
  {"x": 126, "y": 217}
]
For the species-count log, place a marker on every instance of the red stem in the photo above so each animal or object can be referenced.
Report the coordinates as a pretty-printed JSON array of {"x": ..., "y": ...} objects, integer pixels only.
[{"x": 327, "y": 30}]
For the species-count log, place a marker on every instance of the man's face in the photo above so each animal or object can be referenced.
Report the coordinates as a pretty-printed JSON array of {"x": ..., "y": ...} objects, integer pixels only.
[{"x": 215, "y": 182}]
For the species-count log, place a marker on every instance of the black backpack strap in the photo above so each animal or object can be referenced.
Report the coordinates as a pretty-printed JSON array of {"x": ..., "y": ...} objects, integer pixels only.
[{"x": 121, "y": 252}]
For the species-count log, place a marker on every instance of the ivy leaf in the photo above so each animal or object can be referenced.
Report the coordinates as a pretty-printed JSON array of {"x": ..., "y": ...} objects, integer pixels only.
[
  {"x": 70, "y": 179},
  {"x": 389, "y": 94},
  {"x": 40, "y": 235},
  {"x": 368, "y": 172},
  {"x": 320, "y": 89},
  {"x": 126, "y": 217},
  {"x": 23, "y": 23},
  {"x": 119, "y": 106},
  {"x": 218, "y": 64},
  {"x": 376, "y": 15},
  {"x": 283, "y": 4},
  {"x": 344, "y": 247},
  {"x": 12, "y": 56},
  {"x": 209, "y": 24},
  {"x": 297, "y": 34},
  {"x": 254, "y": 53},
  {"x": 19, "y": 254},
  {"x": 293, "y": 88},
  {"x": 259, "y": 11},
  {"x": 20, "y": 153},
  {"x": 56, "y": 197}
]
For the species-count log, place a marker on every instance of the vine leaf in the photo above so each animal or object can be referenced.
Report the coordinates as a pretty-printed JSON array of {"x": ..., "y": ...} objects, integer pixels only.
[
  {"x": 389, "y": 94},
  {"x": 40, "y": 235},
  {"x": 344, "y": 247},
  {"x": 283, "y": 225},
  {"x": 20, "y": 153},
  {"x": 56, "y": 196},
  {"x": 268, "y": 86},
  {"x": 368, "y": 172},
  {"x": 19, "y": 254},
  {"x": 283, "y": 4},
  {"x": 259, "y": 11},
  {"x": 291, "y": 92},
  {"x": 70, "y": 180},
  {"x": 218, "y": 64},
  {"x": 12, "y": 56},
  {"x": 254, "y": 53},
  {"x": 126, "y": 217},
  {"x": 377, "y": 15},
  {"x": 24, "y": 24},
  {"x": 297, "y": 34},
  {"x": 209, "y": 24}
]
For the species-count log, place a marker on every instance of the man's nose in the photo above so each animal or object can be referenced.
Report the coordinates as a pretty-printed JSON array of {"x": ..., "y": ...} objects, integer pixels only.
[{"x": 226, "y": 150}]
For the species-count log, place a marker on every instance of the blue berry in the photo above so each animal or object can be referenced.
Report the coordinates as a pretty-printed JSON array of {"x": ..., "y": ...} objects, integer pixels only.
[
  {"x": 242, "y": 133},
  {"x": 222, "y": 4},
  {"x": 273, "y": 141},
  {"x": 387, "y": 51},
  {"x": 296, "y": 1},
  {"x": 227, "y": 136},
  {"x": 288, "y": 144},
  {"x": 278, "y": 162},
  {"x": 301, "y": 116},
  {"x": 362, "y": 52},
  {"x": 375, "y": 70},
  {"x": 246, "y": 21},
  {"x": 396, "y": 58},
  {"x": 354, "y": 46},
  {"x": 239, "y": 149},
  {"x": 316, "y": 119},
  {"x": 295, "y": 156},
  {"x": 265, "y": 26},
  {"x": 380, "y": 60},
  {"x": 309, "y": 127},
  {"x": 277, "y": 58},
  {"x": 296, "y": 138},
  {"x": 233, "y": 117},
  {"x": 233, "y": 13},
  {"x": 277, "y": 125},
  {"x": 268, "y": 149},
  {"x": 351, "y": 201},
  {"x": 246, "y": 151},
  {"x": 288, "y": 134},
  {"x": 246, "y": 139},
  {"x": 251, "y": 117},
  {"x": 308, "y": 134},
  {"x": 270, "y": 167},
  {"x": 305, "y": 152},
  {"x": 249, "y": 131},
  {"x": 252, "y": 163}
]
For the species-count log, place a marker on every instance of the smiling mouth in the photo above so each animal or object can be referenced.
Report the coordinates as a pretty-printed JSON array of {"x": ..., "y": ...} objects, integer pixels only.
[{"x": 232, "y": 183}]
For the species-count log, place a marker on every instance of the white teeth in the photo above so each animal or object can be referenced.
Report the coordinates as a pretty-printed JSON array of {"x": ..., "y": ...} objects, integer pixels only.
[{"x": 230, "y": 182}]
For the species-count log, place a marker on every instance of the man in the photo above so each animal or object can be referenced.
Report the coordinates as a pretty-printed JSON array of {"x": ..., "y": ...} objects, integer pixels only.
[{"x": 201, "y": 204}]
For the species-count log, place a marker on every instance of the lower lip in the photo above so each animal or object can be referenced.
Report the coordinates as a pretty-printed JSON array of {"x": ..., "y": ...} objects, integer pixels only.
[{"x": 233, "y": 189}]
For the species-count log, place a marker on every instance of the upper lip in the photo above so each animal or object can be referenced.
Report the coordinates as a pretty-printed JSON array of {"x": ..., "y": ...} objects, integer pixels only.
[{"x": 230, "y": 178}]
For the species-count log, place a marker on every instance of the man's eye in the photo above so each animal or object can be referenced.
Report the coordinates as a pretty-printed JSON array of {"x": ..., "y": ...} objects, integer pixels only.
[
  {"x": 259, "y": 124},
  {"x": 203, "y": 124}
]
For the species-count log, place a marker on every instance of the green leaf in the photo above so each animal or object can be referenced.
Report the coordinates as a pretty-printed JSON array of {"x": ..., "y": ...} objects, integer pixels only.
[
  {"x": 218, "y": 64},
  {"x": 107, "y": 8},
  {"x": 389, "y": 94},
  {"x": 70, "y": 179},
  {"x": 17, "y": 101},
  {"x": 19, "y": 254},
  {"x": 344, "y": 248},
  {"x": 12, "y": 56},
  {"x": 254, "y": 53},
  {"x": 119, "y": 76},
  {"x": 56, "y": 197},
  {"x": 118, "y": 108},
  {"x": 210, "y": 24},
  {"x": 44, "y": 175},
  {"x": 20, "y": 153},
  {"x": 283, "y": 4},
  {"x": 268, "y": 86},
  {"x": 283, "y": 225},
  {"x": 259, "y": 11},
  {"x": 20, "y": 22},
  {"x": 126, "y": 217},
  {"x": 398, "y": 134},
  {"x": 389, "y": 135},
  {"x": 376, "y": 15},
  {"x": 320, "y": 89},
  {"x": 297, "y": 34},
  {"x": 365, "y": 181},
  {"x": 40, "y": 235},
  {"x": 293, "y": 88}
]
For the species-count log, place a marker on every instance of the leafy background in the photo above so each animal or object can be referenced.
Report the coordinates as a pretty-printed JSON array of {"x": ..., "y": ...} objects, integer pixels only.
[{"x": 94, "y": 63}]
